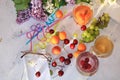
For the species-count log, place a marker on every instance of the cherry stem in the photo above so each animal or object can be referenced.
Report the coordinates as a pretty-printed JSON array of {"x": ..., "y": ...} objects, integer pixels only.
[
  {"x": 61, "y": 66},
  {"x": 30, "y": 52},
  {"x": 65, "y": 50}
]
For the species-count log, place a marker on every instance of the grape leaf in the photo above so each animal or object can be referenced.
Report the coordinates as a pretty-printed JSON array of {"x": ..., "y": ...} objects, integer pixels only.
[
  {"x": 44, "y": 1},
  {"x": 17, "y": 1},
  {"x": 77, "y": 1},
  {"x": 56, "y": 3},
  {"x": 25, "y": 1},
  {"x": 21, "y": 7},
  {"x": 62, "y": 3}
]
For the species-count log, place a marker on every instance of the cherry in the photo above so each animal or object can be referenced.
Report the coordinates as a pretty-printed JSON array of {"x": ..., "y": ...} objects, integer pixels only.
[
  {"x": 66, "y": 41},
  {"x": 89, "y": 66},
  {"x": 62, "y": 59},
  {"x": 86, "y": 60},
  {"x": 75, "y": 41},
  {"x": 82, "y": 62},
  {"x": 67, "y": 61},
  {"x": 54, "y": 64},
  {"x": 72, "y": 46},
  {"x": 70, "y": 55},
  {"x": 60, "y": 73},
  {"x": 83, "y": 27},
  {"x": 38, "y": 74},
  {"x": 85, "y": 66},
  {"x": 51, "y": 31}
]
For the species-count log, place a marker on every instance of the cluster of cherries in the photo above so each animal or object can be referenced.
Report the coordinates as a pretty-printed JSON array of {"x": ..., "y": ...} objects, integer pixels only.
[
  {"x": 62, "y": 59},
  {"x": 85, "y": 64},
  {"x": 65, "y": 61}
]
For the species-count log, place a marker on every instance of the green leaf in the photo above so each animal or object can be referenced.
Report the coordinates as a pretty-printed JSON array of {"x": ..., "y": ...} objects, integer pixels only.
[
  {"x": 17, "y": 1},
  {"x": 78, "y": 1},
  {"x": 21, "y": 7},
  {"x": 62, "y": 3},
  {"x": 57, "y": 3},
  {"x": 25, "y": 1},
  {"x": 87, "y": 1},
  {"x": 44, "y": 1}
]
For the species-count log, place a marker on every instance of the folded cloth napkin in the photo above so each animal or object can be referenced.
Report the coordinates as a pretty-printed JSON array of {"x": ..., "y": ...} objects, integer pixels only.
[{"x": 35, "y": 63}]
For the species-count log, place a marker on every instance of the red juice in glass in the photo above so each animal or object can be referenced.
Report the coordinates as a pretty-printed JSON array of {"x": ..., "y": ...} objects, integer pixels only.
[{"x": 87, "y": 63}]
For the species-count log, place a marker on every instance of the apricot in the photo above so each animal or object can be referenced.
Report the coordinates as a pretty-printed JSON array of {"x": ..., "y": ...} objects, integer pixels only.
[
  {"x": 56, "y": 50},
  {"x": 76, "y": 53},
  {"x": 81, "y": 47},
  {"x": 62, "y": 35},
  {"x": 54, "y": 39},
  {"x": 59, "y": 14}
]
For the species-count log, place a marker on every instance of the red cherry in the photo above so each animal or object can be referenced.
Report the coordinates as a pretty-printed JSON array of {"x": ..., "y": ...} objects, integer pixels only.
[
  {"x": 72, "y": 46},
  {"x": 89, "y": 66},
  {"x": 60, "y": 73},
  {"x": 54, "y": 64},
  {"x": 51, "y": 31},
  {"x": 38, "y": 74},
  {"x": 83, "y": 27},
  {"x": 62, "y": 59},
  {"x": 86, "y": 66},
  {"x": 66, "y": 41},
  {"x": 82, "y": 62},
  {"x": 67, "y": 61},
  {"x": 75, "y": 41},
  {"x": 70, "y": 55},
  {"x": 86, "y": 60}
]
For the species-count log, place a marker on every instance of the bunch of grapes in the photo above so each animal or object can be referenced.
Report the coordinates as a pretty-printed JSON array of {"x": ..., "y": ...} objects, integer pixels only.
[
  {"x": 90, "y": 34},
  {"x": 103, "y": 21},
  {"x": 94, "y": 29}
]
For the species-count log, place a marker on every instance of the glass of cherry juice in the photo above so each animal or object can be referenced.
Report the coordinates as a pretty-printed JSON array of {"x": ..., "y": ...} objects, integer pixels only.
[{"x": 87, "y": 63}]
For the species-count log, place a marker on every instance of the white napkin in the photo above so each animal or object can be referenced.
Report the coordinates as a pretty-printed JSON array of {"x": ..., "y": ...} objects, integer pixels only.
[{"x": 36, "y": 63}]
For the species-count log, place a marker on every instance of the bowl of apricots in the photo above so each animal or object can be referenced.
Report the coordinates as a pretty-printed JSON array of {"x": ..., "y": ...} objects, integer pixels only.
[{"x": 82, "y": 13}]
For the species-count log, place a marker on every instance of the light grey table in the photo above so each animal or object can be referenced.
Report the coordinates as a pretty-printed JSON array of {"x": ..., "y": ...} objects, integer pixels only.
[{"x": 12, "y": 67}]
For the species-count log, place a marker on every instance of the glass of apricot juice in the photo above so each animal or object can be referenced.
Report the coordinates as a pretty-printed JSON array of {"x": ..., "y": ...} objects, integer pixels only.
[{"x": 103, "y": 46}]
